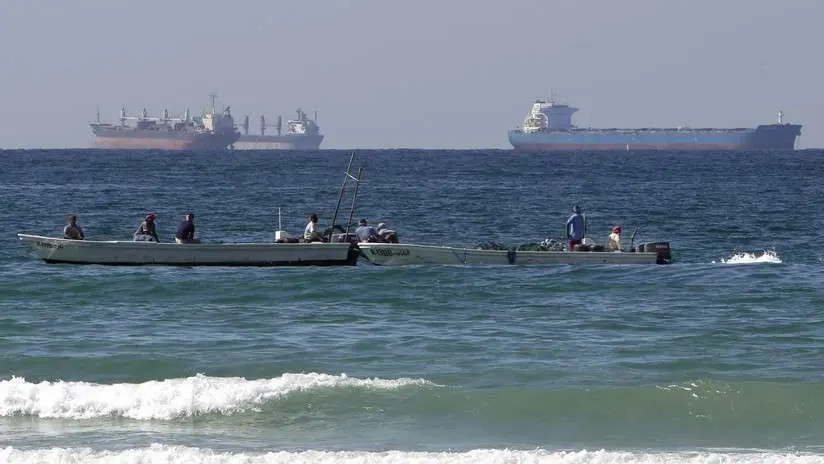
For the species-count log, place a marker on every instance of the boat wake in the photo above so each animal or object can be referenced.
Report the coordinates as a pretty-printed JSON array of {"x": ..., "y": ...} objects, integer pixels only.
[
  {"x": 767, "y": 256},
  {"x": 171, "y": 398}
]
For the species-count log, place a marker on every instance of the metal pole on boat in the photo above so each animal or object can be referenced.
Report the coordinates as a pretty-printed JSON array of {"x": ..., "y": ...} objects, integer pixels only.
[
  {"x": 345, "y": 178},
  {"x": 354, "y": 196}
]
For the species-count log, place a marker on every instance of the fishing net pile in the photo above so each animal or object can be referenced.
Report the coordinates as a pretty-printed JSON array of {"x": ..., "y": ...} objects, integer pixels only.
[{"x": 545, "y": 245}]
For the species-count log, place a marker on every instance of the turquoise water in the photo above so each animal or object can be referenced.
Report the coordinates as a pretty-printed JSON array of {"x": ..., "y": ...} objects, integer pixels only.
[{"x": 716, "y": 358}]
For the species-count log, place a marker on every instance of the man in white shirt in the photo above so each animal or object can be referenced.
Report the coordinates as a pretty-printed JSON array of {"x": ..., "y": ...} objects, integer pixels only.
[
  {"x": 311, "y": 234},
  {"x": 614, "y": 242}
]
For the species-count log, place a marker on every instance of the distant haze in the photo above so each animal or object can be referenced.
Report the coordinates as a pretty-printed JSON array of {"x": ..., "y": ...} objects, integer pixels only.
[{"x": 415, "y": 74}]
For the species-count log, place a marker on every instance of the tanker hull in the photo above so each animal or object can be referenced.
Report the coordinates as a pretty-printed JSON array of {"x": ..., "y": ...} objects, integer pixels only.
[
  {"x": 157, "y": 140},
  {"x": 279, "y": 142},
  {"x": 764, "y": 137}
]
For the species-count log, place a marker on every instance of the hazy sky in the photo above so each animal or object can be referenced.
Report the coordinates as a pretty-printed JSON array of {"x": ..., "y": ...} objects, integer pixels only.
[{"x": 416, "y": 73}]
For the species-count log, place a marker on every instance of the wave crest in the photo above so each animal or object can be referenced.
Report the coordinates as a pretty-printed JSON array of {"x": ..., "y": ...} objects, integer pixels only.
[
  {"x": 166, "y": 453},
  {"x": 168, "y": 399}
]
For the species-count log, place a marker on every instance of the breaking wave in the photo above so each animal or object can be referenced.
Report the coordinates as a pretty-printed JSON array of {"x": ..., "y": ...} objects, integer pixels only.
[
  {"x": 168, "y": 399},
  {"x": 166, "y": 454}
]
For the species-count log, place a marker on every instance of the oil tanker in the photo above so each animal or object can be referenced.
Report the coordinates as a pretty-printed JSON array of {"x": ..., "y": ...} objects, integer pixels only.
[
  {"x": 208, "y": 132},
  {"x": 301, "y": 133},
  {"x": 548, "y": 127}
]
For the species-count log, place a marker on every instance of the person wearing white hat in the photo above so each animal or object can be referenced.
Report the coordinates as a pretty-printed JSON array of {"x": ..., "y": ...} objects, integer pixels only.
[{"x": 386, "y": 234}]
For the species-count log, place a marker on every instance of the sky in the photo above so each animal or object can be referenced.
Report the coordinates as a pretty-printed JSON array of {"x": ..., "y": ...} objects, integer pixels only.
[{"x": 448, "y": 74}]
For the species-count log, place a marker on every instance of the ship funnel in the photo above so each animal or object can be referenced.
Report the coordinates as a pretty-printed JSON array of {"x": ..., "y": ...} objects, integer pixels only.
[
  {"x": 262, "y": 125},
  {"x": 246, "y": 125},
  {"x": 187, "y": 115},
  {"x": 165, "y": 114},
  {"x": 780, "y": 117},
  {"x": 122, "y": 115},
  {"x": 213, "y": 97},
  {"x": 279, "y": 125},
  {"x": 144, "y": 114}
]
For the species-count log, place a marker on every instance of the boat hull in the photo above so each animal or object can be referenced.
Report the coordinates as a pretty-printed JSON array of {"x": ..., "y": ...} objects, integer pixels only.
[
  {"x": 127, "y": 253},
  {"x": 162, "y": 140},
  {"x": 398, "y": 254},
  {"x": 278, "y": 142},
  {"x": 764, "y": 137}
]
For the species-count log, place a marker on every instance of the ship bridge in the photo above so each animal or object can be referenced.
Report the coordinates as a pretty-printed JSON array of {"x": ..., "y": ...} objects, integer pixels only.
[{"x": 558, "y": 115}]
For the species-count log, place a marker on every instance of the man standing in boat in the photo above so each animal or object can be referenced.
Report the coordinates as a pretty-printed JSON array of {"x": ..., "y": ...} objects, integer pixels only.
[
  {"x": 614, "y": 240},
  {"x": 575, "y": 228},
  {"x": 73, "y": 231}
]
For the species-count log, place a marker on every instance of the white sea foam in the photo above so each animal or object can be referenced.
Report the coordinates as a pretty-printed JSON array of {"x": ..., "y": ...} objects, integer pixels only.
[
  {"x": 167, "y": 399},
  {"x": 767, "y": 256},
  {"x": 171, "y": 454}
]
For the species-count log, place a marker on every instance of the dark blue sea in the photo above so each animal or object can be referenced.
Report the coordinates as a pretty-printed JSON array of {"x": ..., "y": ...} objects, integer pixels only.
[{"x": 717, "y": 358}]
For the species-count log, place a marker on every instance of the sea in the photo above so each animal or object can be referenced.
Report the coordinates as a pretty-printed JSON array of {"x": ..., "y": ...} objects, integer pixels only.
[{"x": 715, "y": 358}]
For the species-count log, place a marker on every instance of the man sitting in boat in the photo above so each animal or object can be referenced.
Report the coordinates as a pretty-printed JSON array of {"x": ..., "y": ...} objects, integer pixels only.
[
  {"x": 387, "y": 235},
  {"x": 147, "y": 231},
  {"x": 186, "y": 230},
  {"x": 73, "y": 231},
  {"x": 366, "y": 233},
  {"x": 614, "y": 240},
  {"x": 311, "y": 234},
  {"x": 575, "y": 228}
]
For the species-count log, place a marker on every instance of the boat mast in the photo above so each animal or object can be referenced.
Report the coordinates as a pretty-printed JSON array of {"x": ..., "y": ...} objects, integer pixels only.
[{"x": 346, "y": 176}]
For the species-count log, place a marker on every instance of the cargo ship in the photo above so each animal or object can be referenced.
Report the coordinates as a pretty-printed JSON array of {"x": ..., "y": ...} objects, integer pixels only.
[
  {"x": 548, "y": 127},
  {"x": 302, "y": 133},
  {"x": 209, "y": 132}
]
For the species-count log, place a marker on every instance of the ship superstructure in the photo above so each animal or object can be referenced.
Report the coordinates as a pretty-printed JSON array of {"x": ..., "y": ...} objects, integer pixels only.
[
  {"x": 209, "y": 131},
  {"x": 301, "y": 133},
  {"x": 548, "y": 127}
]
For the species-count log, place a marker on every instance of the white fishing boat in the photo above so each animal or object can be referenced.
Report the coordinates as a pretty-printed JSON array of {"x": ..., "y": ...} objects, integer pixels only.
[
  {"x": 400, "y": 254},
  {"x": 59, "y": 250}
]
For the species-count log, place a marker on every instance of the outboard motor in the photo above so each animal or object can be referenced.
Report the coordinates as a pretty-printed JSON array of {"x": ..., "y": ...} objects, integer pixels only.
[{"x": 661, "y": 248}]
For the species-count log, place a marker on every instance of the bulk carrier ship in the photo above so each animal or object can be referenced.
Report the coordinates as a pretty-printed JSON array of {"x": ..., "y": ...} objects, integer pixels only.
[
  {"x": 548, "y": 127},
  {"x": 208, "y": 132},
  {"x": 301, "y": 133}
]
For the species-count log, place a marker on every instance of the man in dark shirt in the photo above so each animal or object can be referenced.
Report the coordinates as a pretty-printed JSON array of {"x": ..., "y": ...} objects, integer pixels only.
[
  {"x": 147, "y": 230},
  {"x": 73, "y": 231},
  {"x": 186, "y": 230}
]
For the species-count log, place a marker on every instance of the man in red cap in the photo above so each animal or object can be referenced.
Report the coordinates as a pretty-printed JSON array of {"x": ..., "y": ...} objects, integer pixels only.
[
  {"x": 614, "y": 242},
  {"x": 147, "y": 231}
]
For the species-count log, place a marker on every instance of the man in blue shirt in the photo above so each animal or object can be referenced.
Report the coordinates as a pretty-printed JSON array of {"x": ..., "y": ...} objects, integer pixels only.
[
  {"x": 366, "y": 233},
  {"x": 575, "y": 228}
]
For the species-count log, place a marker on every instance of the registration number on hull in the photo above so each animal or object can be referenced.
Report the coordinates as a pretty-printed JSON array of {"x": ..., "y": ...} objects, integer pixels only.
[
  {"x": 48, "y": 245},
  {"x": 389, "y": 251}
]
